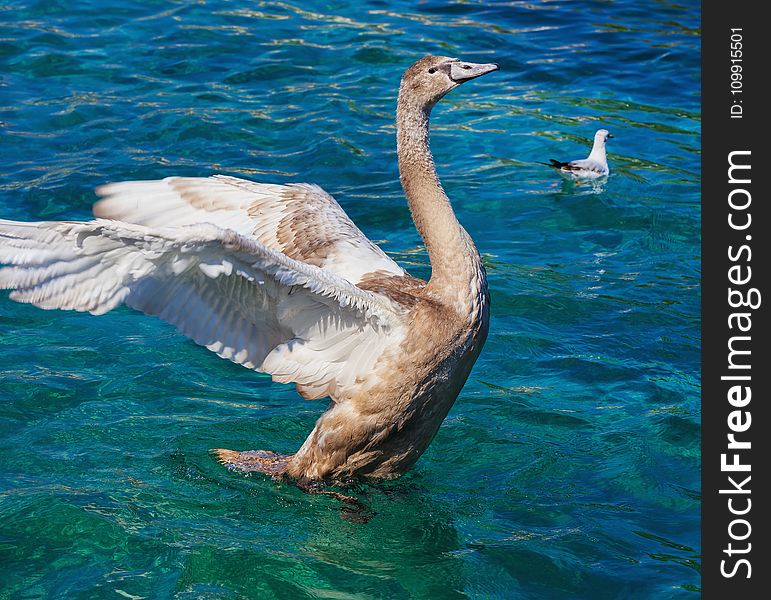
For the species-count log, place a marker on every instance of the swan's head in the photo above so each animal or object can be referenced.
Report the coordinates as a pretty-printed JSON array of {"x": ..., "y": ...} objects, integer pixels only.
[
  {"x": 433, "y": 76},
  {"x": 602, "y": 136}
]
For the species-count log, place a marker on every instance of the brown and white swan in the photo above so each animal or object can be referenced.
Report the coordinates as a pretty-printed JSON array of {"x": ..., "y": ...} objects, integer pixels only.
[{"x": 278, "y": 279}]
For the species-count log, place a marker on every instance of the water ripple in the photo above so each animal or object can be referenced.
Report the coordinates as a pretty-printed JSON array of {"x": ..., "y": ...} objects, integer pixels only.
[{"x": 569, "y": 465}]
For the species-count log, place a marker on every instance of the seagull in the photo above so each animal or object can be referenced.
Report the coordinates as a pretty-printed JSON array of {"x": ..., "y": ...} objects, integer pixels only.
[{"x": 594, "y": 165}]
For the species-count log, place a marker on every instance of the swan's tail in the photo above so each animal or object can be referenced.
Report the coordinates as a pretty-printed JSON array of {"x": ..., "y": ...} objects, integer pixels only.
[
  {"x": 270, "y": 463},
  {"x": 252, "y": 461}
]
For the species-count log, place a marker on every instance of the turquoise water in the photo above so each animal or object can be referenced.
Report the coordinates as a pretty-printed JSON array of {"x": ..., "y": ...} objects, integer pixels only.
[{"x": 569, "y": 466}]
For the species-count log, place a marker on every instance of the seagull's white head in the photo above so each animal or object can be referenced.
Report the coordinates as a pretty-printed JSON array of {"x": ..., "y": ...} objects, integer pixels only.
[{"x": 602, "y": 136}]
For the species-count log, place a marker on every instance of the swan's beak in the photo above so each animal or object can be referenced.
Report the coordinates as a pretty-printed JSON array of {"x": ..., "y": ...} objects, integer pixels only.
[{"x": 464, "y": 71}]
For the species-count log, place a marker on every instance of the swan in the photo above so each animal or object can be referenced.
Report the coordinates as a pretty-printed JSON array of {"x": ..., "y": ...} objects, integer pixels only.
[
  {"x": 278, "y": 279},
  {"x": 594, "y": 165}
]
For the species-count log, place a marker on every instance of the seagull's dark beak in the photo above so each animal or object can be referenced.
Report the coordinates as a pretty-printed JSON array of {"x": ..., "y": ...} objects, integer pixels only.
[
  {"x": 610, "y": 135},
  {"x": 465, "y": 71}
]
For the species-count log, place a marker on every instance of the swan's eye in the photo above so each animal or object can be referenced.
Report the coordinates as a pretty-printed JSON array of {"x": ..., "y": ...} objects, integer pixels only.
[
  {"x": 465, "y": 67},
  {"x": 432, "y": 70}
]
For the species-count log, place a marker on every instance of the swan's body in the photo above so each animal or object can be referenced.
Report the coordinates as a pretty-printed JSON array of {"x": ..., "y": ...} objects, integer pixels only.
[
  {"x": 278, "y": 279},
  {"x": 594, "y": 165}
]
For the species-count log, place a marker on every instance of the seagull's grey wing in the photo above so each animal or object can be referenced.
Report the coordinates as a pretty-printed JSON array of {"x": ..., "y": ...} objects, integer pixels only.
[{"x": 586, "y": 165}]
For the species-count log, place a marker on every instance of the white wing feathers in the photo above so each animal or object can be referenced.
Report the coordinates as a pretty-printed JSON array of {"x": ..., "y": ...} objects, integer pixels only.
[
  {"x": 587, "y": 164},
  {"x": 247, "y": 302},
  {"x": 177, "y": 201},
  {"x": 299, "y": 220}
]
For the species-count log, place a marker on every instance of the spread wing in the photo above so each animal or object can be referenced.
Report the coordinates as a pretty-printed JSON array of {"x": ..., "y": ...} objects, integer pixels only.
[
  {"x": 300, "y": 220},
  {"x": 245, "y": 301},
  {"x": 583, "y": 165}
]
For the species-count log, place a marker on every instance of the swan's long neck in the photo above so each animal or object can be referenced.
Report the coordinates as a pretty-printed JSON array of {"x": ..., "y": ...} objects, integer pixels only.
[{"x": 456, "y": 268}]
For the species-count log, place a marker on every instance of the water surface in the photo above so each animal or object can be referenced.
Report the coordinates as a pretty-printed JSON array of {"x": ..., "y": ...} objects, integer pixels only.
[{"x": 569, "y": 466}]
